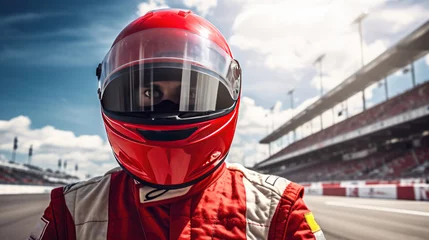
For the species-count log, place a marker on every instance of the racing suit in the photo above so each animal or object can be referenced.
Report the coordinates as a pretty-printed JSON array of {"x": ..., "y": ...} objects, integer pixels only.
[{"x": 232, "y": 203}]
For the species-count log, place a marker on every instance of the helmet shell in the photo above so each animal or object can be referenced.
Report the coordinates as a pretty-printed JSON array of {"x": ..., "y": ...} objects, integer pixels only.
[{"x": 181, "y": 162}]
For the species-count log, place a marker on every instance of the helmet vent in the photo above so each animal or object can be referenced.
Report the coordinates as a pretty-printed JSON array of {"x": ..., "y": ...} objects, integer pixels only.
[{"x": 169, "y": 135}]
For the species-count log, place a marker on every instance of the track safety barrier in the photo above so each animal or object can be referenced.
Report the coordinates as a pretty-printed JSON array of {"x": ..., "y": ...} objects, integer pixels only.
[
  {"x": 6, "y": 189},
  {"x": 418, "y": 192}
]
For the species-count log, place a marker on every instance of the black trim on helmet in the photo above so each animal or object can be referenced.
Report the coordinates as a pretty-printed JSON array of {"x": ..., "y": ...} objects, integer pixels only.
[
  {"x": 174, "y": 186},
  {"x": 150, "y": 118},
  {"x": 98, "y": 71},
  {"x": 167, "y": 135}
]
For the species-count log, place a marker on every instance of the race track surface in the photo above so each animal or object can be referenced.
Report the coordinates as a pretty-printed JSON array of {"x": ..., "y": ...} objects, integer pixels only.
[
  {"x": 360, "y": 218},
  {"x": 20, "y": 213},
  {"x": 339, "y": 217}
]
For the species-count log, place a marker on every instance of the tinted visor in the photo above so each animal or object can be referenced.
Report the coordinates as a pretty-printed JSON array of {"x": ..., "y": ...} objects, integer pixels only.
[{"x": 166, "y": 88}]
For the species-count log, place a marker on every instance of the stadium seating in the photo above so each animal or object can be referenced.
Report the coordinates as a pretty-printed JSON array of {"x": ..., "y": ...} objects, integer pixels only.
[
  {"x": 13, "y": 173},
  {"x": 391, "y": 164},
  {"x": 412, "y": 99}
]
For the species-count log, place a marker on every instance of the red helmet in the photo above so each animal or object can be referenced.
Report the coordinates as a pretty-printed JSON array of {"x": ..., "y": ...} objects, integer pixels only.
[{"x": 170, "y": 90}]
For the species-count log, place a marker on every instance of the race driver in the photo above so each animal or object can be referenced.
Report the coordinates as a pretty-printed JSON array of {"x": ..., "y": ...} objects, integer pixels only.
[{"x": 170, "y": 90}]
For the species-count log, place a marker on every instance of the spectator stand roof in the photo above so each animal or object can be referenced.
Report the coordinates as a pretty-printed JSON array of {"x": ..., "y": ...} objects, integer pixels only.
[
  {"x": 409, "y": 49},
  {"x": 404, "y": 125}
]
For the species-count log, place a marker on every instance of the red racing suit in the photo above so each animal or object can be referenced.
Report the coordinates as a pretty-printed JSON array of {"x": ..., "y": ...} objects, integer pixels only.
[{"x": 232, "y": 203}]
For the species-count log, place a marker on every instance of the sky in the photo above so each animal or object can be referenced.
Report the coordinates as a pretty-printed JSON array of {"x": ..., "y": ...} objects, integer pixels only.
[{"x": 49, "y": 51}]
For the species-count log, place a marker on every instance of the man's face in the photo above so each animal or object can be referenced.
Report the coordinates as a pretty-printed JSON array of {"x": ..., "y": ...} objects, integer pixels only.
[{"x": 159, "y": 91}]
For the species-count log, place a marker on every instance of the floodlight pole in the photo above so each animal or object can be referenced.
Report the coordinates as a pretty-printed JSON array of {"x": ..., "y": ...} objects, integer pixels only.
[
  {"x": 272, "y": 118},
  {"x": 268, "y": 129},
  {"x": 268, "y": 132},
  {"x": 386, "y": 90},
  {"x": 30, "y": 154},
  {"x": 291, "y": 98},
  {"x": 358, "y": 21},
  {"x": 272, "y": 123},
  {"x": 290, "y": 92},
  {"x": 15, "y": 146},
  {"x": 413, "y": 75},
  {"x": 319, "y": 60},
  {"x": 347, "y": 109}
]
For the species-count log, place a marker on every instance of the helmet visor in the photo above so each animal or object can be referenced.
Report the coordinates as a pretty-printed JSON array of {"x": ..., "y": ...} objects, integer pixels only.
[
  {"x": 168, "y": 70},
  {"x": 156, "y": 88}
]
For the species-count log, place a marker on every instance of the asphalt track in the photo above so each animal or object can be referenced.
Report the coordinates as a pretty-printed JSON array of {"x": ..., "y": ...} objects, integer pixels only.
[
  {"x": 360, "y": 218},
  {"x": 20, "y": 213},
  {"x": 339, "y": 217}
]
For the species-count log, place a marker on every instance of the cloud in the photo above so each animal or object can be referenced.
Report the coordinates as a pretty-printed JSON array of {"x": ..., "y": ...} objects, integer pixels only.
[
  {"x": 145, "y": 7},
  {"x": 90, "y": 152},
  {"x": 427, "y": 59},
  {"x": 203, "y": 6},
  {"x": 398, "y": 18},
  {"x": 289, "y": 35}
]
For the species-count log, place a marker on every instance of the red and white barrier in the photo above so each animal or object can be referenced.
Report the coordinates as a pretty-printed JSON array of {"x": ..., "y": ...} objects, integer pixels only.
[
  {"x": 419, "y": 192},
  {"x": 402, "y": 182}
]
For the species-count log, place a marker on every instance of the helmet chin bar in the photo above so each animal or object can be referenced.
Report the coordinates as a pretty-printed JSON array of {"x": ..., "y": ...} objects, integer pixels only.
[{"x": 174, "y": 186}]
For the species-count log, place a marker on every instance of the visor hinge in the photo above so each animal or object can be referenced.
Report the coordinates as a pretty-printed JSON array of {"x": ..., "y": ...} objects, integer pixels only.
[{"x": 98, "y": 71}]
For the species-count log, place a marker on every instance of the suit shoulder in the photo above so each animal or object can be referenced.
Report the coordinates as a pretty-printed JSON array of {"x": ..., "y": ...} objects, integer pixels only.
[
  {"x": 91, "y": 183},
  {"x": 273, "y": 183}
]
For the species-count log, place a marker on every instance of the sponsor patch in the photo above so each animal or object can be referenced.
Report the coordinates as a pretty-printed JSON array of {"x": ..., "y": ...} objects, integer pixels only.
[
  {"x": 39, "y": 229},
  {"x": 309, "y": 218},
  {"x": 314, "y": 227},
  {"x": 148, "y": 194}
]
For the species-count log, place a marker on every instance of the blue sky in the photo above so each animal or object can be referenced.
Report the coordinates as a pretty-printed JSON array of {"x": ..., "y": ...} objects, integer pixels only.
[
  {"x": 49, "y": 51},
  {"x": 48, "y": 56}
]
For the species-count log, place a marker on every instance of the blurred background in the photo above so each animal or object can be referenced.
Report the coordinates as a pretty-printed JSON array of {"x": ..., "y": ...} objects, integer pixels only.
[{"x": 335, "y": 97}]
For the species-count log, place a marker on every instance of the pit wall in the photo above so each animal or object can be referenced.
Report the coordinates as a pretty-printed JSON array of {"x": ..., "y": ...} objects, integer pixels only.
[{"x": 418, "y": 192}]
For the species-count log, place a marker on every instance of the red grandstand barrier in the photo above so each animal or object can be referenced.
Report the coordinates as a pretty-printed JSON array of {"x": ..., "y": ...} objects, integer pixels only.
[
  {"x": 334, "y": 191},
  {"x": 406, "y": 192},
  {"x": 331, "y": 185},
  {"x": 401, "y": 182},
  {"x": 419, "y": 192}
]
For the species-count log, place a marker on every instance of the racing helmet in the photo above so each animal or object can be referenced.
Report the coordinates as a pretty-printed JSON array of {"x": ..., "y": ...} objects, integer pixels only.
[{"x": 169, "y": 90}]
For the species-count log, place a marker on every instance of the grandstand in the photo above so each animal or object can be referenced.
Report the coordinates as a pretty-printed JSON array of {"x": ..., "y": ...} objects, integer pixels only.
[
  {"x": 26, "y": 174},
  {"x": 385, "y": 142}
]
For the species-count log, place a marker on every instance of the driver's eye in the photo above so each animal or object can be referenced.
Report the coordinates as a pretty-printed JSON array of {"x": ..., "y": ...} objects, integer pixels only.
[{"x": 156, "y": 93}]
